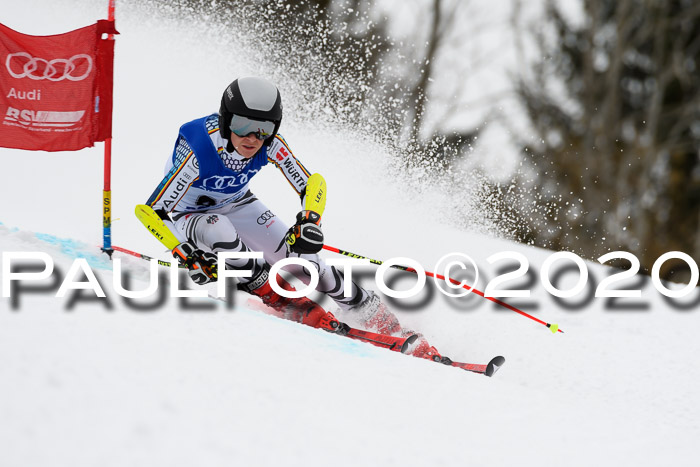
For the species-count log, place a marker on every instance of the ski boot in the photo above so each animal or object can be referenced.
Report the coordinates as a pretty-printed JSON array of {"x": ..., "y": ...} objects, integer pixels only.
[
  {"x": 329, "y": 323},
  {"x": 376, "y": 317},
  {"x": 422, "y": 349},
  {"x": 301, "y": 309}
]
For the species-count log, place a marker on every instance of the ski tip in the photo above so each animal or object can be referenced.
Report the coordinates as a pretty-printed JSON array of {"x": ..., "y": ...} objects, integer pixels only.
[
  {"x": 494, "y": 365},
  {"x": 408, "y": 342}
]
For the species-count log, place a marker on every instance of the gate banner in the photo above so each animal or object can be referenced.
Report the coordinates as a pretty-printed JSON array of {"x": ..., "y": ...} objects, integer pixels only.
[{"x": 56, "y": 91}]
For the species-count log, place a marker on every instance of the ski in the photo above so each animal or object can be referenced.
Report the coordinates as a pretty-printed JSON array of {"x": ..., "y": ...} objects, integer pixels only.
[
  {"x": 489, "y": 369},
  {"x": 394, "y": 343},
  {"x": 401, "y": 344},
  {"x": 397, "y": 344}
]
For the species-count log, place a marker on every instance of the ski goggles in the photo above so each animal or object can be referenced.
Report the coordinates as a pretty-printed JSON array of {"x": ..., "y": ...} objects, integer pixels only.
[{"x": 243, "y": 126}]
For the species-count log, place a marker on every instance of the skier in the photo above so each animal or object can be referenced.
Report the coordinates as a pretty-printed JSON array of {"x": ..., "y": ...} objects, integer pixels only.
[{"x": 204, "y": 200}]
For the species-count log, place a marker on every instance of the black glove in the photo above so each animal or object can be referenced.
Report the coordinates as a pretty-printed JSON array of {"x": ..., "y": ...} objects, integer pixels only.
[
  {"x": 305, "y": 236},
  {"x": 201, "y": 265}
]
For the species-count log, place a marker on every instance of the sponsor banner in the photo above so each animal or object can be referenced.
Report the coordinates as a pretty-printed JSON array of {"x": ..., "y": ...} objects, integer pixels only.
[{"x": 56, "y": 91}]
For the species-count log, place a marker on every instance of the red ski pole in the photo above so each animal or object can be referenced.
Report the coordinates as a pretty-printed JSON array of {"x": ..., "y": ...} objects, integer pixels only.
[{"x": 552, "y": 327}]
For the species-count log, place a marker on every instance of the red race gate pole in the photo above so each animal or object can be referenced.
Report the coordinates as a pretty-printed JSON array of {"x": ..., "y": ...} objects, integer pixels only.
[{"x": 107, "y": 190}]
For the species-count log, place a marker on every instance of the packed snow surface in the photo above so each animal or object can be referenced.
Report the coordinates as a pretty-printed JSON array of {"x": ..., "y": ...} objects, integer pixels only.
[{"x": 86, "y": 381}]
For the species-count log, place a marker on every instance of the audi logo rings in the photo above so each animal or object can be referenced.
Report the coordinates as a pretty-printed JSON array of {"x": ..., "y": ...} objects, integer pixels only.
[
  {"x": 264, "y": 217},
  {"x": 23, "y": 65}
]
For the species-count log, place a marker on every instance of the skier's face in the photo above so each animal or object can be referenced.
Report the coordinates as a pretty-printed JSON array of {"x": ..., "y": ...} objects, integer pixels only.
[{"x": 247, "y": 146}]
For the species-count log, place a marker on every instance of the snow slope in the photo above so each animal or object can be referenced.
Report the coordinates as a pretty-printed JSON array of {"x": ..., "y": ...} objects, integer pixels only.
[{"x": 91, "y": 385}]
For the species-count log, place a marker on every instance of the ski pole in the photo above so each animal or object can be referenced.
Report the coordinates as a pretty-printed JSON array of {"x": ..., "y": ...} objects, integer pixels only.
[
  {"x": 142, "y": 256},
  {"x": 552, "y": 327}
]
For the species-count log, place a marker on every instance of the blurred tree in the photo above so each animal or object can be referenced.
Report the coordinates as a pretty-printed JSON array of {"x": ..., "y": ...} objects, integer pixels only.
[
  {"x": 330, "y": 49},
  {"x": 438, "y": 149},
  {"x": 615, "y": 108},
  {"x": 344, "y": 62},
  {"x": 338, "y": 59}
]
